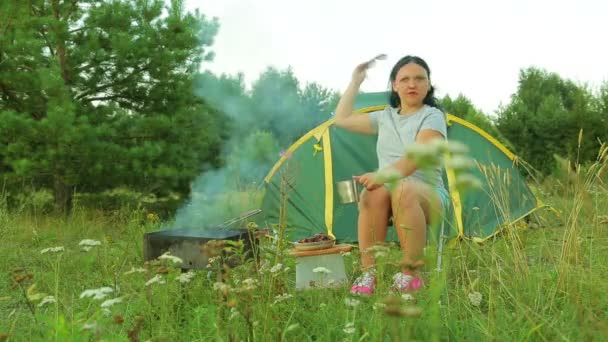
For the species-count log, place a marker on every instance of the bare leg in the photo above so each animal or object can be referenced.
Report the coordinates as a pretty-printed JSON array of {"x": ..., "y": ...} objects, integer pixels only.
[
  {"x": 414, "y": 205},
  {"x": 374, "y": 212}
]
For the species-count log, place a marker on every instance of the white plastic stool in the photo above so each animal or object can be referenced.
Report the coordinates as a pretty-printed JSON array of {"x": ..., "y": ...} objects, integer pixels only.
[{"x": 329, "y": 258}]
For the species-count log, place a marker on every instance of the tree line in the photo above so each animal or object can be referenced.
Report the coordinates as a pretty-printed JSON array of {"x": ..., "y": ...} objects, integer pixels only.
[{"x": 96, "y": 95}]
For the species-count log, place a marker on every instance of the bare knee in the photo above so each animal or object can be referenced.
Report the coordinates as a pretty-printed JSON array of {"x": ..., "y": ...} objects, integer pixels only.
[
  {"x": 378, "y": 199},
  {"x": 412, "y": 195},
  {"x": 405, "y": 195}
]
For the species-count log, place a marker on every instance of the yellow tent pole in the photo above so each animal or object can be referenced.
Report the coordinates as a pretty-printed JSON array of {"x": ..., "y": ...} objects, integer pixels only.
[
  {"x": 456, "y": 200},
  {"x": 316, "y": 132},
  {"x": 329, "y": 183}
]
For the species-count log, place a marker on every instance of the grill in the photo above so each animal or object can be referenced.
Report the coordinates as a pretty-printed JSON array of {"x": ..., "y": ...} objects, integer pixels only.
[{"x": 189, "y": 244}]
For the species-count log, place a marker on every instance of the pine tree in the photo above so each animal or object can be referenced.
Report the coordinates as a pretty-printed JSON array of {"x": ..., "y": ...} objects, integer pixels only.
[{"x": 98, "y": 94}]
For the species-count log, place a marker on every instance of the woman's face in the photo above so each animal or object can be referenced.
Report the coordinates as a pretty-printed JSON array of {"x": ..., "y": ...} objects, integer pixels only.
[{"x": 411, "y": 84}]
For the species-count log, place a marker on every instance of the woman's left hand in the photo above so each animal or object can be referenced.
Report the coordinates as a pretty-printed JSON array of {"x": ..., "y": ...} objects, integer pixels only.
[{"x": 368, "y": 180}]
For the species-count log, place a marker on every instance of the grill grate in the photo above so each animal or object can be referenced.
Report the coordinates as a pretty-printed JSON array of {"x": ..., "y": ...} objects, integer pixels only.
[{"x": 189, "y": 244}]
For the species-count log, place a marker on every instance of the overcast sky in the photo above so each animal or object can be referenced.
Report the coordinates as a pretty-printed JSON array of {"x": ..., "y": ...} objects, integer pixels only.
[{"x": 473, "y": 47}]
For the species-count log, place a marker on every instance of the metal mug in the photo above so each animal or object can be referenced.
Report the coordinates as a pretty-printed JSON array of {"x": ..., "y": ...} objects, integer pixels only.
[{"x": 348, "y": 191}]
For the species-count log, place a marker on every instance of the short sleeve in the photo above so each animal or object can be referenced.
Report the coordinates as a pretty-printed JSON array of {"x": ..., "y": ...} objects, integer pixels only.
[
  {"x": 374, "y": 118},
  {"x": 435, "y": 121}
]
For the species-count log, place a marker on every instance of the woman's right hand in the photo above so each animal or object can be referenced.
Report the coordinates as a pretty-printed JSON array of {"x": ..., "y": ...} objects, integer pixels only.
[
  {"x": 361, "y": 70},
  {"x": 344, "y": 109}
]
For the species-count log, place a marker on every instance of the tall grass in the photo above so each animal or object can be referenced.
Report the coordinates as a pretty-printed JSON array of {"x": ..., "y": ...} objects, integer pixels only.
[{"x": 537, "y": 283}]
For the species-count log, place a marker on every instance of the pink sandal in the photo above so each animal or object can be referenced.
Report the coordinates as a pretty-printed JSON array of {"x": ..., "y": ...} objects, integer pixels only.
[
  {"x": 406, "y": 283},
  {"x": 364, "y": 284}
]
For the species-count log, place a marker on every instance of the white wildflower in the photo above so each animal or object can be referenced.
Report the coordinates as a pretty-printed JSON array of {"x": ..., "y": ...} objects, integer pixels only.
[
  {"x": 156, "y": 279},
  {"x": 110, "y": 302},
  {"x": 86, "y": 248},
  {"x": 219, "y": 286},
  {"x": 276, "y": 268},
  {"x": 456, "y": 147},
  {"x": 249, "y": 281},
  {"x": 234, "y": 313},
  {"x": 408, "y": 297},
  {"x": 349, "y": 328},
  {"x": 475, "y": 298},
  {"x": 264, "y": 266},
  {"x": 460, "y": 163},
  {"x": 466, "y": 181},
  {"x": 249, "y": 284},
  {"x": 89, "y": 326},
  {"x": 388, "y": 175},
  {"x": 97, "y": 294},
  {"x": 379, "y": 251},
  {"x": 380, "y": 254},
  {"x": 33, "y": 295},
  {"x": 185, "y": 277},
  {"x": 135, "y": 270},
  {"x": 425, "y": 156},
  {"x": 52, "y": 250},
  {"x": 89, "y": 243},
  {"x": 47, "y": 300},
  {"x": 439, "y": 145},
  {"x": 172, "y": 258},
  {"x": 351, "y": 302},
  {"x": 321, "y": 269},
  {"x": 281, "y": 297},
  {"x": 379, "y": 306}
]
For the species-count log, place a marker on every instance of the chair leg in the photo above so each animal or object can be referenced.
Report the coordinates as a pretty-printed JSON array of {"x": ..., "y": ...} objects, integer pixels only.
[{"x": 440, "y": 247}]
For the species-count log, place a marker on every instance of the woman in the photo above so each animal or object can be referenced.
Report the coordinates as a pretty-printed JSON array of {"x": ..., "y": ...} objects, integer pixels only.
[{"x": 417, "y": 199}]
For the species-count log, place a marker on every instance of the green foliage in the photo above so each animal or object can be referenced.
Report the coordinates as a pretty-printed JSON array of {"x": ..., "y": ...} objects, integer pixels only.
[
  {"x": 258, "y": 301},
  {"x": 276, "y": 103},
  {"x": 463, "y": 108},
  {"x": 95, "y": 95},
  {"x": 600, "y": 104},
  {"x": 545, "y": 117},
  {"x": 285, "y": 108}
]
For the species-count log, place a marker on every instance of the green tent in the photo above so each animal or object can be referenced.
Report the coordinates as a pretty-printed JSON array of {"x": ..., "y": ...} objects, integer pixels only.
[{"x": 300, "y": 187}]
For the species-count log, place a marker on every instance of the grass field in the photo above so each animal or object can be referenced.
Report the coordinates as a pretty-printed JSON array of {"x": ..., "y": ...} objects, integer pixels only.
[{"x": 546, "y": 282}]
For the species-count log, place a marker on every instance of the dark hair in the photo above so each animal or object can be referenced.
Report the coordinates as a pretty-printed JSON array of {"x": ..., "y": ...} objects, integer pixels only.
[{"x": 429, "y": 99}]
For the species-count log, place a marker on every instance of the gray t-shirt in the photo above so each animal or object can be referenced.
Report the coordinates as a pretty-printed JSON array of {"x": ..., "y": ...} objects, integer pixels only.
[{"x": 391, "y": 145}]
